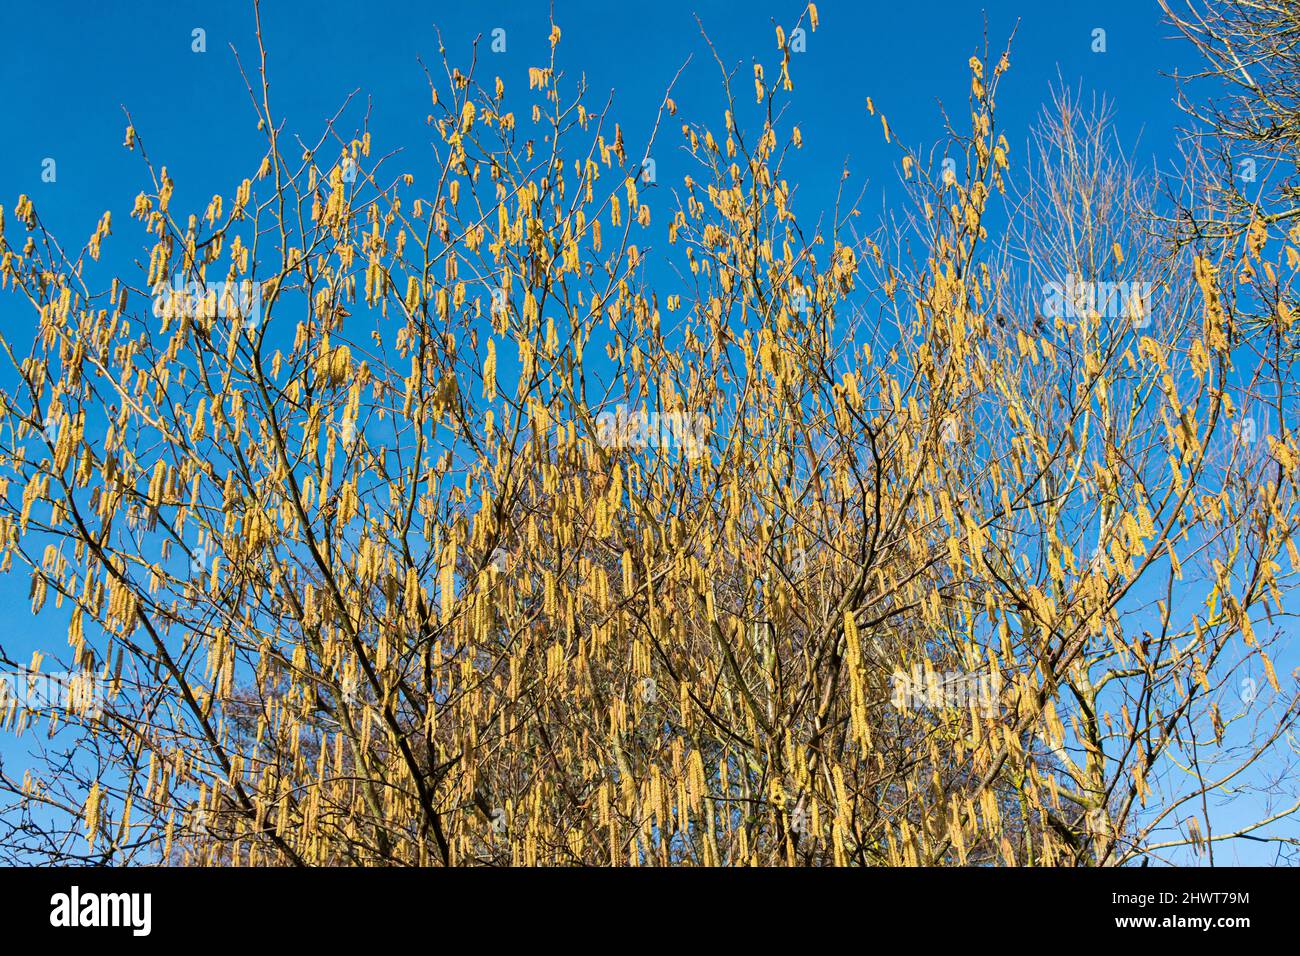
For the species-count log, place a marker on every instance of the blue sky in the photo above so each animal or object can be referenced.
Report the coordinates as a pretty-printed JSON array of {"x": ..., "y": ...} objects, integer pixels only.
[{"x": 71, "y": 67}]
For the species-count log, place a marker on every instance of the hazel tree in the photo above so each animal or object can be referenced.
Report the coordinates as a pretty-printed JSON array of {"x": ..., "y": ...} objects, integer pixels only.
[{"x": 514, "y": 506}]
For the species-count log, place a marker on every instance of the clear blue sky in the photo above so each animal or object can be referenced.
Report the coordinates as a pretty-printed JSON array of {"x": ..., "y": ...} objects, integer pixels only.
[{"x": 71, "y": 65}]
